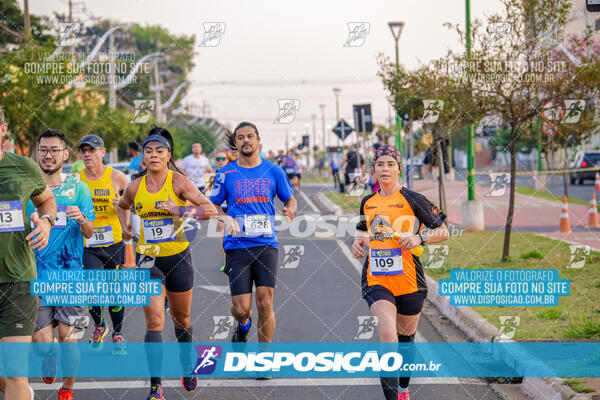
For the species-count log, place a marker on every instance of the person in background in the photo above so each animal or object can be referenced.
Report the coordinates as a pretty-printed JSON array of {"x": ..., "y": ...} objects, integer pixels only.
[
  {"x": 271, "y": 156},
  {"x": 373, "y": 179},
  {"x": 134, "y": 151},
  {"x": 289, "y": 166},
  {"x": 321, "y": 165},
  {"x": 222, "y": 161},
  {"x": 299, "y": 169},
  {"x": 351, "y": 164},
  {"x": 279, "y": 158},
  {"x": 335, "y": 169},
  {"x": 195, "y": 165},
  {"x": 261, "y": 153}
]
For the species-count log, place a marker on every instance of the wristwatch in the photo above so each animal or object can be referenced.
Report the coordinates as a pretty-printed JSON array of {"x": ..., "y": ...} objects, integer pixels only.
[
  {"x": 423, "y": 237},
  {"x": 49, "y": 218},
  {"x": 84, "y": 219}
]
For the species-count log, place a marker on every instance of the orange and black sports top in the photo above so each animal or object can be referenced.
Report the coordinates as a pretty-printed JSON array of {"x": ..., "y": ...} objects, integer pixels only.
[{"x": 388, "y": 265}]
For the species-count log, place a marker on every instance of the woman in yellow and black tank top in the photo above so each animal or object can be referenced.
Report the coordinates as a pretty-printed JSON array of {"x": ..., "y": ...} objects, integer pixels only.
[
  {"x": 159, "y": 196},
  {"x": 393, "y": 283},
  {"x": 107, "y": 229},
  {"x": 161, "y": 233}
]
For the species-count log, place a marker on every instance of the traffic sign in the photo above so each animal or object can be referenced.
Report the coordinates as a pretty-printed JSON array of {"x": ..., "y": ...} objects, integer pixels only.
[
  {"x": 593, "y": 5},
  {"x": 553, "y": 111},
  {"x": 363, "y": 119},
  {"x": 342, "y": 129}
]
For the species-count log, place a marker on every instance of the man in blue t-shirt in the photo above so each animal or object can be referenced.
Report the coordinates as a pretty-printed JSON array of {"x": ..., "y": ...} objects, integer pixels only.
[
  {"x": 134, "y": 151},
  {"x": 75, "y": 213},
  {"x": 250, "y": 185}
]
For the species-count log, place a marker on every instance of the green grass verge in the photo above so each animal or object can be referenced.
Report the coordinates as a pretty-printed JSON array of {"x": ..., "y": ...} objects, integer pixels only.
[
  {"x": 577, "y": 315},
  {"x": 578, "y": 386},
  {"x": 348, "y": 203},
  {"x": 529, "y": 191},
  {"x": 313, "y": 178}
]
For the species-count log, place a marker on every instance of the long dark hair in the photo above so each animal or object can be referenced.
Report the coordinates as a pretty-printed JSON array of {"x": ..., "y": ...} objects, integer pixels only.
[
  {"x": 159, "y": 130},
  {"x": 230, "y": 136}
]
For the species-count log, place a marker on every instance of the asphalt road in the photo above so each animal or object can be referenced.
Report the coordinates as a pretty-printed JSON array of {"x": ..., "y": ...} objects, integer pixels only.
[{"x": 317, "y": 300}]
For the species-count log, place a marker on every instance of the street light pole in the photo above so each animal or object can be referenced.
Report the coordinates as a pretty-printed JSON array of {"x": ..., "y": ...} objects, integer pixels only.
[
  {"x": 396, "y": 28},
  {"x": 471, "y": 209},
  {"x": 336, "y": 92},
  {"x": 322, "y": 107},
  {"x": 471, "y": 130}
]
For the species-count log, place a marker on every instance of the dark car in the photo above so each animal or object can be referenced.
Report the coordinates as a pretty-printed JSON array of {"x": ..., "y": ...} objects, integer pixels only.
[{"x": 588, "y": 159}]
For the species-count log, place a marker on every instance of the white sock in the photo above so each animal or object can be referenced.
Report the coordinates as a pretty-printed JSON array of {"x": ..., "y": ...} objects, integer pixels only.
[{"x": 402, "y": 390}]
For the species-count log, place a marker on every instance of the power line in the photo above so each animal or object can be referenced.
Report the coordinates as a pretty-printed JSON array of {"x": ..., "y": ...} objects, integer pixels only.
[{"x": 291, "y": 82}]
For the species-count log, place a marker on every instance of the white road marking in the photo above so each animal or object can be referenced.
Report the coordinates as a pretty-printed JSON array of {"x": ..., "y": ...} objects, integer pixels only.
[
  {"x": 309, "y": 201},
  {"x": 172, "y": 383}
]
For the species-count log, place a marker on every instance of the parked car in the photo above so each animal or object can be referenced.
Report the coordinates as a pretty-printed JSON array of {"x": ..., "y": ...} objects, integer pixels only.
[{"x": 585, "y": 159}]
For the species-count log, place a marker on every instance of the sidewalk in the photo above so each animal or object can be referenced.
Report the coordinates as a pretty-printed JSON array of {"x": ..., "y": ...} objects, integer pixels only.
[{"x": 532, "y": 214}]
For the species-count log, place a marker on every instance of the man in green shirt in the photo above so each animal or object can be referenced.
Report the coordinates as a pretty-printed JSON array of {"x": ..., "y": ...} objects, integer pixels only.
[{"x": 20, "y": 180}]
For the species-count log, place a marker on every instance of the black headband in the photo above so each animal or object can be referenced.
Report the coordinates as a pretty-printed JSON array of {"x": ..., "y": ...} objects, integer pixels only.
[{"x": 157, "y": 138}]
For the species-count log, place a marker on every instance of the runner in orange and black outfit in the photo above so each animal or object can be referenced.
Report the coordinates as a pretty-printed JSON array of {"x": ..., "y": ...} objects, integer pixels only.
[{"x": 393, "y": 282}]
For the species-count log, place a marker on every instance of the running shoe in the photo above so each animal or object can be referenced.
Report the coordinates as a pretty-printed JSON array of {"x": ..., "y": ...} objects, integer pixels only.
[
  {"x": 49, "y": 369},
  {"x": 119, "y": 345},
  {"x": 239, "y": 336},
  {"x": 96, "y": 340},
  {"x": 156, "y": 393},
  {"x": 65, "y": 394},
  {"x": 189, "y": 383},
  {"x": 404, "y": 395},
  {"x": 222, "y": 269}
]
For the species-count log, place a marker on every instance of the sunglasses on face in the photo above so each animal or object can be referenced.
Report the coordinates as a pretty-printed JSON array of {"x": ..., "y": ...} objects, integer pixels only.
[{"x": 220, "y": 158}]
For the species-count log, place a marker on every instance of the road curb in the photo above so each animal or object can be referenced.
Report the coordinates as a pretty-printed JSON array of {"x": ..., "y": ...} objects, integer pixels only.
[
  {"x": 479, "y": 329},
  {"x": 327, "y": 205}
]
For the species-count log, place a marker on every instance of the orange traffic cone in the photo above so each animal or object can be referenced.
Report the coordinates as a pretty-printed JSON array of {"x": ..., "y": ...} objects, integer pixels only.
[
  {"x": 564, "y": 224},
  {"x": 129, "y": 255},
  {"x": 593, "y": 215},
  {"x": 597, "y": 182}
]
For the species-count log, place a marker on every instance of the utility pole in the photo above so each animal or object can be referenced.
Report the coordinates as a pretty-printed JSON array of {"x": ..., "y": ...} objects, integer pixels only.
[
  {"x": 322, "y": 107},
  {"x": 336, "y": 92},
  {"x": 112, "y": 91},
  {"x": 314, "y": 141},
  {"x": 471, "y": 209},
  {"x": 157, "y": 99},
  {"x": 27, "y": 22},
  {"x": 396, "y": 28}
]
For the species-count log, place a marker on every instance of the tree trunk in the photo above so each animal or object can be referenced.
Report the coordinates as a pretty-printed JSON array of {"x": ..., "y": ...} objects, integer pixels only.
[
  {"x": 511, "y": 203},
  {"x": 441, "y": 187}
]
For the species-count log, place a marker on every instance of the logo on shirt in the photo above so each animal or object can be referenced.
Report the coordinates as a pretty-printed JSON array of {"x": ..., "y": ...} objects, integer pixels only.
[
  {"x": 101, "y": 192},
  {"x": 138, "y": 206},
  {"x": 70, "y": 193},
  {"x": 207, "y": 359},
  {"x": 396, "y": 205},
  {"x": 254, "y": 190},
  {"x": 380, "y": 225}
]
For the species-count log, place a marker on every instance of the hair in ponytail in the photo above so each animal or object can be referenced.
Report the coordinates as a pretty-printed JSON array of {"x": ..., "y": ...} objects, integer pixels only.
[{"x": 159, "y": 130}]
